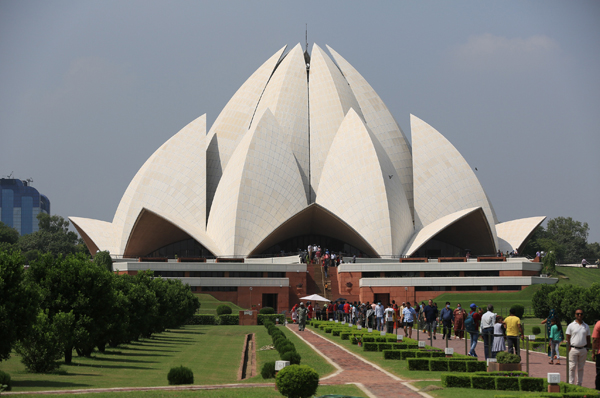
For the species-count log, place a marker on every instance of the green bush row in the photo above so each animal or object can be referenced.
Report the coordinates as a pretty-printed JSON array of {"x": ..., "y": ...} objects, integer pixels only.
[
  {"x": 446, "y": 364},
  {"x": 214, "y": 320},
  {"x": 287, "y": 350},
  {"x": 405, "y": 354},
  {"x": 484, "y": 382}
]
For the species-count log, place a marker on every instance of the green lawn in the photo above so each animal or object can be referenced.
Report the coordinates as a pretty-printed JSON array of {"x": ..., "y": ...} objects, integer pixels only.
[
  {"x": 212, "y": 352},
  {"x": 250, "y": 392},
  {"x": 578, "y": 276},
  {"x": 209, "y": 304}
]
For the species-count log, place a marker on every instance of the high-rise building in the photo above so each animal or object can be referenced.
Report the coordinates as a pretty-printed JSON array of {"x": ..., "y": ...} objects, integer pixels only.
[{"x": 20, "y": 204}]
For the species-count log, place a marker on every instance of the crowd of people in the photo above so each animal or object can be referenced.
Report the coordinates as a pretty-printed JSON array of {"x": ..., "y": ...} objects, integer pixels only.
[
  {"x": 498, "y": 334},
  {"x": 315, "y": 255}
]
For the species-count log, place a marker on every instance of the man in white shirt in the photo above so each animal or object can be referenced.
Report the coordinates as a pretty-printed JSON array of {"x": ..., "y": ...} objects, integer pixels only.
[
  {"x": 379, "y": 314},
  {"x": 487, "y": 330},
  {"x": 578, "y": 341},
  {"x": 389, "y": 319}
]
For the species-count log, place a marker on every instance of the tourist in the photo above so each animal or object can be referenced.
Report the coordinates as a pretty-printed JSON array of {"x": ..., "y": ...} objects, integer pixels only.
[
  {"x": 447, "y": 316},
  {"x": 498, "y": 345},
  {"x": 379, "y": 310},
  {"x": 317, "y": 309},
  {"x": 578, "y": 340},
  {"x": 548, "y": 323},
  {"x": 389, "y": 318},
  {"x": 347, "y": 312},
  {"x": 294, "y": 313},
  {"x": 472, "y": 326},
  {"x": 556, "y": 337},
  {"x": 596, "y": 351},
  {"x": 302, "y": 317},
  {"x": 330, "y": 310},
  {"x": 430, "y": 313},
  {"x": 400, "y": 323},
  {"x": 513, "y": 330},
  {"x": 487, "y": 330},
  {"x": 408, "y": 317},
  {"x": 459, "y": 321},
  {"x": 584, "y": 263},
  {"x": 370, "y": 316}
]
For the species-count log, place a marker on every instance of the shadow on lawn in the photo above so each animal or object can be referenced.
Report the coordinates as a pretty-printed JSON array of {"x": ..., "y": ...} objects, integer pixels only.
[
  {"x": 182, "y": 340},
  {"x": 143, "y": 349},
  {"x": 91, "y": 365},
  {"x": 185, "y": 332},
  {"x": 137, "y": 354},
  {"x": 122, "y": 360},
  {"x": 46, "y": 384}
]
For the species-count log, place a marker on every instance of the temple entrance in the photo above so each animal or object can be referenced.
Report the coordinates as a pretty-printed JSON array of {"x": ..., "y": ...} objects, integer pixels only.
[{"x": 383, "y": 298}]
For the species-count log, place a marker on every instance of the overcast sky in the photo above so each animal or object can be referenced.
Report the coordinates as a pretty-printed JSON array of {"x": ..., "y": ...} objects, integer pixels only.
[{"x": 90, "y": 89}]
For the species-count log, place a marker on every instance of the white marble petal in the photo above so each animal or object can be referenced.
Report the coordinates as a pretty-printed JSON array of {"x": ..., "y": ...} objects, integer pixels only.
[
  {"x": 444, "y": 183},
  {"x": 512, "y": 234},
  {"x": 233, "y": 122},
  {"x": 356, "y": 186},
  {"x": 100, "y": 234},
  {"x": 330, "y": 98},
  {"x": 381, "y": 122},
  {"x": 260, "y": 189}
]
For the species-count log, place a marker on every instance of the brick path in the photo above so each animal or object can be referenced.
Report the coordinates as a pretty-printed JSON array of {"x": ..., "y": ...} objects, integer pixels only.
[
  {"x": 351, "y": 369},
  {"x": 538, "y": 362}
]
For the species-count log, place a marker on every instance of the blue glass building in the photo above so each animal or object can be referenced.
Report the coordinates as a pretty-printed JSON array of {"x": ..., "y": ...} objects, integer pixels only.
[{"x": 20, "y": 204}]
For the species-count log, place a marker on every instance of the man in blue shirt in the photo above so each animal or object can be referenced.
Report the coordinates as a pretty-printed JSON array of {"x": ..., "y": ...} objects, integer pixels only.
[
  {"x": 447, "y": 317},
  {"x": 430, "y": 313},
  {"x": 408, "y": 317}
]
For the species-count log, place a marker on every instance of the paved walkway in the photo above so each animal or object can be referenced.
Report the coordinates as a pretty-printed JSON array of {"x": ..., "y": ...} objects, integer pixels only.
[
  {"x": 354, "y": 369},
  {"x": 538, "y": 362}
]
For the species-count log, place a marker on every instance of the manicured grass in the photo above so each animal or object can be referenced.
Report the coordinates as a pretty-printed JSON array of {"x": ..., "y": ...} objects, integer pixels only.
[
  {"x": 500, "y": 301},
  {"x": 212, "y": 352},
  {"x": 250, "y": 392},
  {"x": 209, "y": 304},
  {"x": 578, "y": 276}
]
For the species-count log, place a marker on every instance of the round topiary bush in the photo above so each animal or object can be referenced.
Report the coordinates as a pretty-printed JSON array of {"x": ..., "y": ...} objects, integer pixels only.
[
  {"x": 291, "y": 356},
  {"x": 5, "y": 380},
  {"x": 519, "y": 310},
  {"x": 180, "y": 375},
  {"x": 223, "y": 310},
  {"x": 283, "y": 348},
  {"x": 268, "y": 370},
  {"x": 266, "y": 311},
  {"x": 536, "y": 330},
  {"x": 297, "y": 381}
]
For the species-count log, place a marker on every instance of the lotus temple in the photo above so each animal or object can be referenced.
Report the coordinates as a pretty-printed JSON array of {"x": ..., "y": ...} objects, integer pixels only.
[{"x": 306, "y": 152}]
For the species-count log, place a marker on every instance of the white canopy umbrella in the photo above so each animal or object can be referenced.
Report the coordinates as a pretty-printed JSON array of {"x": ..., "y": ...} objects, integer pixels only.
[{"x": 314, "y": 297}]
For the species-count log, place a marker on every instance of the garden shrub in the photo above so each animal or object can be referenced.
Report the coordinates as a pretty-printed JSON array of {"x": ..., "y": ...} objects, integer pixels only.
[
  {"x": 391, "y": 339},
  {"x": 437, "y": 354},
  {"x": 519, "y": 310},
  {"x": 345, "y": 336},
  {"x": 328, "y": 330},
  {"x": 5, "y": 380},
  {"x": 531, "y": 383},
  {"x": 268, "y": 370},
  {"x": 418, "y": 364},
  {"x": 423, "y": 354},
  {"x": 459, "y": 381},
  {"x": 392, "y": 354},
  {"x": 202, "y": 320},
  {"x": 353, "y": 340},
  {"x": 457, "y": 366},
  {"x": 516, "y": 373},
  {"x": 437, "y": 365},
  {"x": 266, "y": 311},
  {"x": 180, "y": 375},
  {"x": 229, "y": 320},
  {"x": 476, "y": 366},
  {"x": 336, "y": 332},
  {"x": 297, "y": 381},
  {"x": 507, "y": 383},
  {"x": 291, "y": 356},
  {"x": 483, "y": 383},
  {"x": 536, "y": 330},
  {"x": 405, "y": 354},
  {"x": 384, "y": 346},
  {"x": 370, "y": 347},
  {"x": 380, "y": 339},
  {"x": 262, "y": 318},
  {"x": 286, "y": 348},
  {"x": 567, "y": 388},
  {"x": 505, "y": 357},
  {"x": 223, "y": 310},
  {"x": 369, "y": 339}
]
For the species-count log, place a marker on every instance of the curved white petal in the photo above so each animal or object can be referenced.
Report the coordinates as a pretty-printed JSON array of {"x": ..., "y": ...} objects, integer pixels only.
[
  {"x": 430, "y": 231},
  {"x": 381, "y": 122},
  {"x": 97, "y": 235},
  {"x": 443, "y": 181},
  {"x": 286, "y": 96},
  {"x": 330, "y": 98},
  {"x": 172, "y": 183},
  {"x": 261, "y": 188},
  {"x": 233, "y": 122},
  {"x": 356, "y": 186},
  {"x": 513, "y": 234}
]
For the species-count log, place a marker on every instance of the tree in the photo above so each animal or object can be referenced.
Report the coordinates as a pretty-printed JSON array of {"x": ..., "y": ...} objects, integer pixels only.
[
  {"x": 550, "y": 263},
  {"x": 8, "y": 237},
  {"x": 18, "y": 302},
  {"x": 53, "y": 237},
  {"x": 570, "y": 234},
  {"x": 103, "y": 259}
]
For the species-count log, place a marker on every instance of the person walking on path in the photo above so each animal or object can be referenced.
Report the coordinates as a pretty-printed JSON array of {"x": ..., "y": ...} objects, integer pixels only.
[
  {"x": 578, "y": 340},
  {"x": 498, "y": 345},
  {"x": 556, "y": 337},
  {"x": 513, "y": 330},
  {"x": 487, "y": 330},
  {"x": 447, "y": 316},
  {"x": 302, "y": 312},
  {"x": 379, "y": 314},
  {"x": 430, "y": 313},
  {"x": 408, "y": 317},
  {"x": 389, "y": 319},
  {"x": 472, "y": 326},
  {"x": 459, "y": 321},
  {"x": 548, "y": 323},
  {"x": 596, "y": 352}
]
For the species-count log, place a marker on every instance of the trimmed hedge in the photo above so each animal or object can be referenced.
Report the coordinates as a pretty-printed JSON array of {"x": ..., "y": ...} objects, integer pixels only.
[
  {"x": 418, "y": 364},
  {"x": 531, "y": 383},
  {"x": 483, "y": 383},
  {"x": 5, "y": 380},
  {"x": 180, "y": 375},
  {"x": 371, "y": 346},
  {"x": 224, "y": 310},
  {"x": 516, "y": 373},
  {"x": 392, "y": 354},
  {"x": 437, "y": 366},
  {"x": 507, "y": 383},
  {"x": 229, "y": 320},
  {"x": 456, "y": 366},
  {"x": 268, "y": 370},
  {"x": 336, "y": 332},
  {"x": 202, "y": 320},
  {"x": 458, "y": 381},
  {"x": 261, "y": 318},
  {"x": 384, "y": 346},
  {"x": 297, "y": 381},
  {"x": 345, "y": 336},
  {"x": 291, "y": 356},
  {"x": 476, "y": 366}
]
